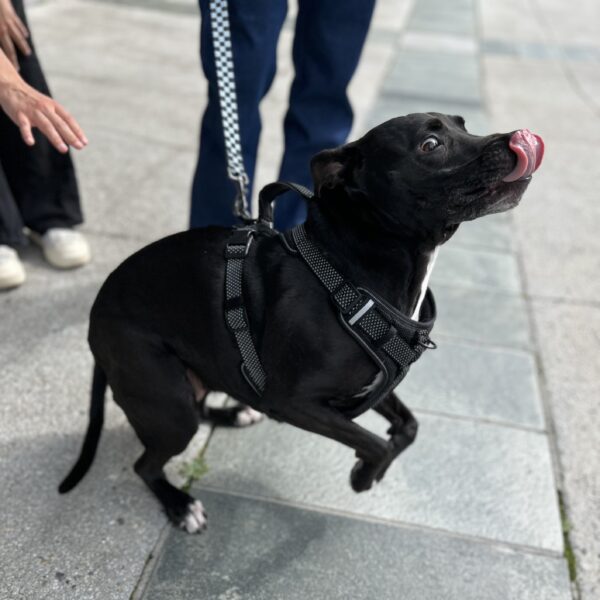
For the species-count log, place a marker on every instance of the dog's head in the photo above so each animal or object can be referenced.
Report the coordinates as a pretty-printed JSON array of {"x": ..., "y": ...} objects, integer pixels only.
[{"x": 424, "y": 174}]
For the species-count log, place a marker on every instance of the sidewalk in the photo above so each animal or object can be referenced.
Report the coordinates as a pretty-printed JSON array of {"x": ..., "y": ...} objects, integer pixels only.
[{"x": 471, "y": 511}]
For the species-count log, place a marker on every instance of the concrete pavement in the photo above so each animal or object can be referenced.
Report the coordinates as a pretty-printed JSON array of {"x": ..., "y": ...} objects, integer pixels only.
[{"x": 471, "y": 511}]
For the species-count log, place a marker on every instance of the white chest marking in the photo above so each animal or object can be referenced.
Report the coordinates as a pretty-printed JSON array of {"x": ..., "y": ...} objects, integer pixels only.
[{"x": 425, "y": 283}]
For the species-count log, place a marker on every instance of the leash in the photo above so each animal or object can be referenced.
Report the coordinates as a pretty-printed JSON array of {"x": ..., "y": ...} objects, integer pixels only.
[
  {"x": 391, "y": 339},
  {"x": 228, "y": 104}
]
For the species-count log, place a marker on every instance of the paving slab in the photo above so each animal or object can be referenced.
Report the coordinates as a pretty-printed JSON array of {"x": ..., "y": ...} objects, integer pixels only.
[
  {"x": 147, "y": 206},
  {"x": 471, "y": 478},
  {"x": 551, "y": 50},
  {"x": 476, "y": 269},
  {"x": 456, "y": 17},
  {"x": 261, "y": 550},
  {"x": 569, "y": 343},
  {"x": 93, "y": 542},
  {"x": 491, "y": 318},
  {"x": 494, "y": 232},
  {"x": 548, "y": 21},
  {"x": 476, "y": 382},
  {"x": 450, "y": 76},
  {"x": 73, "y": 292}
]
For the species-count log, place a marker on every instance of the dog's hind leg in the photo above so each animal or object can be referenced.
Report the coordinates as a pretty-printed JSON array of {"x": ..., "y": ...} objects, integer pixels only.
[
  {"x": 183, "y": 510},
  {"x": 158, "y": 399},
  {"x": 371, "y": 450}
]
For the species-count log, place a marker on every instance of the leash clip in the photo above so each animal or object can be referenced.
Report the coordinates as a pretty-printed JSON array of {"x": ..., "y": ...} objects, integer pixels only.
[
  {"x": 425, "y": 341},
  {"x": 241, "y": 197}
]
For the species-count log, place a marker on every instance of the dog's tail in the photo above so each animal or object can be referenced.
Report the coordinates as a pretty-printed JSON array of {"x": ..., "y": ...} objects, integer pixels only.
[{"x": 90, "y": 443}]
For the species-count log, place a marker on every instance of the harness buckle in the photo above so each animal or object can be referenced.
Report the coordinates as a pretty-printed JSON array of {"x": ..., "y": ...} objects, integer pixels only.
[
  {"x": 425, "y": 341},
  {"x": 239, "y": 246}
]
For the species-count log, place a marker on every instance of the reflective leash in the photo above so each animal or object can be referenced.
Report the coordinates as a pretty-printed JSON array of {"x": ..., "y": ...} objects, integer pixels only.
[{"x": 219, "y": 16}]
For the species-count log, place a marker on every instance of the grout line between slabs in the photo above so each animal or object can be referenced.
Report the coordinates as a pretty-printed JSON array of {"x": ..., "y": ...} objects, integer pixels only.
[{"x": 492, "y": 543}]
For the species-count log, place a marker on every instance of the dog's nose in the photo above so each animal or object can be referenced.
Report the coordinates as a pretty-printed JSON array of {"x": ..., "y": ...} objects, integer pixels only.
[{"x": 529, "y": 149}]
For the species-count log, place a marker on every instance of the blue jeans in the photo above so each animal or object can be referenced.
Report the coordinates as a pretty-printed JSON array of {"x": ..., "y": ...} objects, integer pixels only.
[{"x": 328, "y": 41}]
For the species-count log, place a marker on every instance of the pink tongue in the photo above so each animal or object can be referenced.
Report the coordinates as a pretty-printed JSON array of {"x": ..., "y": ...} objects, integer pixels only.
[{"x": 529, "y": 149}]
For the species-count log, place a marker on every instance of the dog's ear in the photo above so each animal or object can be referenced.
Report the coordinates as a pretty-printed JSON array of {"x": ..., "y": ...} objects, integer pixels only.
[{"x": 331, "y": 169}]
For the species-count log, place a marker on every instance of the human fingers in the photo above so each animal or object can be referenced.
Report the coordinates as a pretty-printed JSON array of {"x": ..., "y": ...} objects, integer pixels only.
[
  {"x": 43, "y": 123},
  {"x": 25, "y": 129},
  {"x": 65, "y": 132},
  {"x": 8, "y": 46},
  {"x": 19, "y": 39},
  {"x": 71, "y": 122},
  {"x": 22, "y": 27}
]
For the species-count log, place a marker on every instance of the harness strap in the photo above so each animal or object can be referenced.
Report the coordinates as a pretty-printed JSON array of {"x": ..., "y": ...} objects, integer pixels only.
[
  {"x": 235, "y": 314},
  {"x": 270, "y": 192},
  {"x": 392, "y": 340}
]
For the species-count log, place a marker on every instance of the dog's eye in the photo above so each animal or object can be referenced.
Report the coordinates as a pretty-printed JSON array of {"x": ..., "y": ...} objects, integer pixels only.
[{"x": 431, "y": 143}]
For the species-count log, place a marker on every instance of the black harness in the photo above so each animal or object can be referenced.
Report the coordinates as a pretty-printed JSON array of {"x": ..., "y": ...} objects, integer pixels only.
[{"x": 391, "y": 340}]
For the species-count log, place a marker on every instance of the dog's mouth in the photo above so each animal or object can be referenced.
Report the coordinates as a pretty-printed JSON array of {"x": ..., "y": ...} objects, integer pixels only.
[{"x": 529, "y": 149}]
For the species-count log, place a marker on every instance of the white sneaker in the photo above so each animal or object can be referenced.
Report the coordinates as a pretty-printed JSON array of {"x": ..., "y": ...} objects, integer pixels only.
[
  {"x": 12, "y": 273},
  {"x": 63, "y": 248}
]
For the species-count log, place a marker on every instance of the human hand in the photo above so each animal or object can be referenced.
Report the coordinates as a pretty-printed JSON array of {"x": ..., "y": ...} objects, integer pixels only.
[
  {"x": 12, "y": 33},
  {"x": 28, "y": 108}
]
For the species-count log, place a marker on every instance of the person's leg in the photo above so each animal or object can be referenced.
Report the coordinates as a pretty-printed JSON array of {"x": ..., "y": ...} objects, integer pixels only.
[
  {"x": 255, "y": 27},
  {"x": 42, "y": 180},
  {"x": 329, "y": 39},
  {"x": 11, "y": 224}
]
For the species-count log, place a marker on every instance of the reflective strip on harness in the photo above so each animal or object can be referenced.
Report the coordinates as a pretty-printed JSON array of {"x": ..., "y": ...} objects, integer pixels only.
[{"x": 235, "y": 313}]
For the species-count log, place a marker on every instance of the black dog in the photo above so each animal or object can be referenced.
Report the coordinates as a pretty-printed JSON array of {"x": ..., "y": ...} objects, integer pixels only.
[{"x": 382, "y": 205}]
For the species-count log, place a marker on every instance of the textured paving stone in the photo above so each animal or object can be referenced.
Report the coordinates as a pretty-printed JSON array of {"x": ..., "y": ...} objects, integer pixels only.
[
  {"x": 491, "y": 318},
  {"x": 494, "y": 232},
  {"x": 478, "y": 479},
  {"x": 91, "y": 543},
  {"x": 258, "y": 550},
  {"x": 475, "y": 382},
  {"x": 476, "y": 268},
  {"x": 456, "y": 16},
  {"x": 31, "y": 317},
  {"x": 448, "y": 76},
  {"x": 439, "y": 42},
  {"x": 570, "y": 343}
]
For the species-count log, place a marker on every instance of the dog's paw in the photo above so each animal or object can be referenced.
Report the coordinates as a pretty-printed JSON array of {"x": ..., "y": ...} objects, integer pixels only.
[
  {"x": 247, "y": 416},
  {"x": 194, "y": 520},
  {"x": 361, "y": 477}
]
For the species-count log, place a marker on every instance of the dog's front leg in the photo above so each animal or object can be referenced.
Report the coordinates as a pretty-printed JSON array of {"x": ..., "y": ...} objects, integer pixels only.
[
  {"x": 403, "y": 429},
  {"x": 371, "y": 450}
]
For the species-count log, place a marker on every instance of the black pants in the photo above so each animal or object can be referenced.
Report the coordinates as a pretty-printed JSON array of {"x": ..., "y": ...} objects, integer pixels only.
[{"x": 38, "y": 188}]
